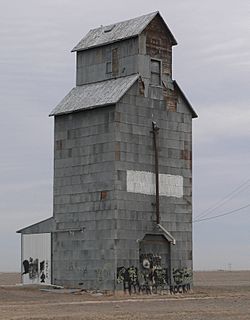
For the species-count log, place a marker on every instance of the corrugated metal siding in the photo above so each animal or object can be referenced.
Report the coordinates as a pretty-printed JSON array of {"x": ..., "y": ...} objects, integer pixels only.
[
  {"x": 118, "y": 31},
  {"x": 36, "y": 258},
  {"x": 95, "y": 94}
]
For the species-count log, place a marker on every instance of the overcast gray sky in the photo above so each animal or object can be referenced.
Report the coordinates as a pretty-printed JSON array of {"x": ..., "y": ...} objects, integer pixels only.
[{"x": 212, "y": 65}]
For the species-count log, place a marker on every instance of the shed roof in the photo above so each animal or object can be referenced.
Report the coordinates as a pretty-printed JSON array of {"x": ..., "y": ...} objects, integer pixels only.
[
  {"x": 94, "y": 95},
  {"x": 118, "y": 31},
  {"x": 44, "y": 226}
]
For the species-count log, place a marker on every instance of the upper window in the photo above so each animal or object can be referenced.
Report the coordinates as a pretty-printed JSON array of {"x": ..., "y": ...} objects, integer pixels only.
[
  {"x": 156, "y": 72},
  {"x": 112, "y": 64},
  {"x": 109, "y": 67}
]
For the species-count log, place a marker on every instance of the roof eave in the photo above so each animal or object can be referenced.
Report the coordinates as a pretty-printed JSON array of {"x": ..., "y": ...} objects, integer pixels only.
[
  {"x": 103, "y": 44},
  {"x": 194, "y": 114},
  {"x": 34, "y": 224},
  {"x": 82, "y": 109}
]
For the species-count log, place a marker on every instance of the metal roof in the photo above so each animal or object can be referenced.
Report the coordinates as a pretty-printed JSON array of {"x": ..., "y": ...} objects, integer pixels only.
[
  {"x": 94, "y": 95},
  {"x": 194, "y": 114},
  {"x": 44, "y": 226},
  {"x": 117, "y": 31}
]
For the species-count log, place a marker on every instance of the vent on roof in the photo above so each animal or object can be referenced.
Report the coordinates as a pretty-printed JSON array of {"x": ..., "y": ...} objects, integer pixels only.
[{"x": 109, "y": 28}]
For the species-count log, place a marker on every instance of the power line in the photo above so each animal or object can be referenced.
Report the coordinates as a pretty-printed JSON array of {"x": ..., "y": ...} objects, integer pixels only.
[
  {"x": 224, "y": 200},
  {"x": 218, "y": 203},
  {"x": 222, "y": 214}
]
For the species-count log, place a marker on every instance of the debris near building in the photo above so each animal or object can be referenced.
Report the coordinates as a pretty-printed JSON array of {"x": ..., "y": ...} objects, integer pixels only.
[{"x": 122, "y": 215}]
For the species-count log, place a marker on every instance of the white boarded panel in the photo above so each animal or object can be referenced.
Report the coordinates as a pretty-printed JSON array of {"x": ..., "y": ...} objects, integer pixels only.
[
  {"x": 36, "y": 258},
  {"x": 144, "y": 182}
]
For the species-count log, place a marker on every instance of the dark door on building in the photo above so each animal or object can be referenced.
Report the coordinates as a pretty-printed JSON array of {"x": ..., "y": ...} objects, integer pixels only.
[{"x": 154, "y": 257}]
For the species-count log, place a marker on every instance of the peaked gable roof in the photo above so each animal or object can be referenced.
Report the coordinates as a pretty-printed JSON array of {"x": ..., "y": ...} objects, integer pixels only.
[
  {"x": 94, "y": 95},
  {"x": 118, "y": 31}
]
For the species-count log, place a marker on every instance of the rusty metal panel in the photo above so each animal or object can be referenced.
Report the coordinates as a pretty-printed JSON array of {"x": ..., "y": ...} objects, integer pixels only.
[
  {"x": 117, "y": 151},
  {"x": 141, "y": 87},
  {"x": 104, "y": 195},
  {"x": 171, "y": 99},
  {"x": 186, "y": 155},
  {"x": 59, "y": 144},
  {"x": 159, "y": 44}
]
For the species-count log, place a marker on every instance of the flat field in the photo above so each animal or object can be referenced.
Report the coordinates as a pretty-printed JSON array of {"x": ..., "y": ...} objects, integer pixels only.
[{"x": 217, "y": 296}]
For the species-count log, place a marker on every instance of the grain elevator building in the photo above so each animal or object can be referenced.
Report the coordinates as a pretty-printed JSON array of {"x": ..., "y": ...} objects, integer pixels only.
[{"x": 122, "y": 212}]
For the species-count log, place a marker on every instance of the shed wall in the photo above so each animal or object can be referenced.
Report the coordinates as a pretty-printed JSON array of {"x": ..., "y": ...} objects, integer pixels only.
[{"x": 36, "y": 258}]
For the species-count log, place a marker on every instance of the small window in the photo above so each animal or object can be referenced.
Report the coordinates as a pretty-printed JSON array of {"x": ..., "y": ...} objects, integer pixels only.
[
  {"x": 108, "y": 67},
  {"x": 156, "y": 72}
]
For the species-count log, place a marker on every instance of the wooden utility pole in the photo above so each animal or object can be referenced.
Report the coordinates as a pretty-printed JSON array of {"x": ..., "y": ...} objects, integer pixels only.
[{"x": 157, "y": 198}]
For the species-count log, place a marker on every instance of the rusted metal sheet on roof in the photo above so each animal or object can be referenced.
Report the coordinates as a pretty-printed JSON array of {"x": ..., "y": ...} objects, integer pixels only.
[
  {"x": 114, "y": 32},
  {"x": 95, "y": 95}
]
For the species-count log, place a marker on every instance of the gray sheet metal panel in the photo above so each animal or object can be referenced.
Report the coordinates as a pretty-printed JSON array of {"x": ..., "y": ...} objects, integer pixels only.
[
  {"x": 136, "y": 210},
  {"x": 95, "y": 94},
  {"x": 92, "y": 63},
  {"x": 44, "y": 226},
  {"x": 85, "y": 257}
]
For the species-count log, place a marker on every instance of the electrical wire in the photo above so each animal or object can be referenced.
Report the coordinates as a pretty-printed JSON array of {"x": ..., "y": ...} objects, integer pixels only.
[
  {"x": 222, "y": 214},
  {"x": 228, "y": 197},
  {"x": 222, "y": 202},
  {"x": 217, "y": 204}
]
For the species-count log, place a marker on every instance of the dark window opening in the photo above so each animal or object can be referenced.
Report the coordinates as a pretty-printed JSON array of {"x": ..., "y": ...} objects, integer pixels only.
[
  {"x": 156, "y": 72},
  {"x": 109, "y": 67}
]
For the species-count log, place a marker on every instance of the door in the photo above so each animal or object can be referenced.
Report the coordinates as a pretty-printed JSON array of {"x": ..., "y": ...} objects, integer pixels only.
[{"x": 154, "y": 258}]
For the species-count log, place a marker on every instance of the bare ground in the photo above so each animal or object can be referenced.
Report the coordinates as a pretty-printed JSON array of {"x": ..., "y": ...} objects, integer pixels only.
[{"x": 216, "y": 296}]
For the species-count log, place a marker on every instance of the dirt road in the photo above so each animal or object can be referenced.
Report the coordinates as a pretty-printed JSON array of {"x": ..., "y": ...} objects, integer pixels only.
[{"x": 217, "y": 296}]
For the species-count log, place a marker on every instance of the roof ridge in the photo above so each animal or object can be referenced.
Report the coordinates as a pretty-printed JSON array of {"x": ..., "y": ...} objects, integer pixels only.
[
  {"x": 127, "y": 20},
  {"x": 121, "y": 30}
]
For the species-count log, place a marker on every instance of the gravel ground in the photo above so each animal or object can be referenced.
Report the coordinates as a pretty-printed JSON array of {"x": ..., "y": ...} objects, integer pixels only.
[{"x": 216, "y": 296}]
